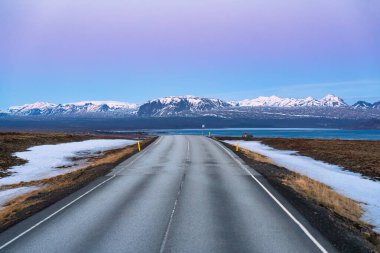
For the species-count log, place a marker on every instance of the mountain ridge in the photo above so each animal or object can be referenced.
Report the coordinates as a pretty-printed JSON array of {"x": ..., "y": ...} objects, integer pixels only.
[
  {"x": 175, "y": 104},
  {"x": 46, "y": 108},
  {"x": 274, "y": 101},
  {"x": 182, "y": 105}
]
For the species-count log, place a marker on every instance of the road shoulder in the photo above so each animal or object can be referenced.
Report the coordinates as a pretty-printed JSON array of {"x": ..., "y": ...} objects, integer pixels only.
[{"x": 345, "y": 236}]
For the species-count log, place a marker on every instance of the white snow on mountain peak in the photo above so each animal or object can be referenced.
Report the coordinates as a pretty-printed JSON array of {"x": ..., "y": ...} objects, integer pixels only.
[
  {"x": 111, "y": 104},
  {"x": 36, "y": 105},
  {"x": 192, "y": 100},
  {"x": 176, "y": 105},
  {"x": 29, "y": 109},
  {"x": 274, "y": 101},
  {"x": 332, "y": 101},
  {"x": 45, "y": 108}
]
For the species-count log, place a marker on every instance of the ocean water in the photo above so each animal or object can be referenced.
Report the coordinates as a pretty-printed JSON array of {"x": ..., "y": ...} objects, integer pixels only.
[{"x": 312, "y": 133}]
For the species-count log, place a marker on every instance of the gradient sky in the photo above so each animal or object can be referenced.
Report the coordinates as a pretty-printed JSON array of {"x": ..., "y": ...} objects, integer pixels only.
[{"x": 135, "y": 50}]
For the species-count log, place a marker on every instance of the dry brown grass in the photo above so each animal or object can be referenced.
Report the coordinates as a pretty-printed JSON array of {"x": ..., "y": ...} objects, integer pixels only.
[
  {"x": 58, "y": 187},
  {"x": 328, "y": 198},
  {"x": 325, "y": 196},
  {"x": 256, "y": 156}
]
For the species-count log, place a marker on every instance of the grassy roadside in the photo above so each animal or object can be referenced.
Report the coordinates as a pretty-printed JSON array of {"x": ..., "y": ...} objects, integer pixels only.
[
  {"x": 58, "y": 187},
  {"x": 316, "y": 191},
  {"x": 335, "y": 216},
  {"x": 16, "y": 142},
  {"x": 355, "y": 155}
]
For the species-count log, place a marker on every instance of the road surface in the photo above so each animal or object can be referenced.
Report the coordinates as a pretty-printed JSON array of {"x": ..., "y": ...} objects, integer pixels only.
[{"x": 181, "y": 194}]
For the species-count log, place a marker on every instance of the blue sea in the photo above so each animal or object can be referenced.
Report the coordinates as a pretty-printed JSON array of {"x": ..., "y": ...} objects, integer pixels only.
[{"x": 311, "y": 133}]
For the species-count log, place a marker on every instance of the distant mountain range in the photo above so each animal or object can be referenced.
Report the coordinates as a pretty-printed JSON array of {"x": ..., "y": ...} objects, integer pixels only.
[
  {"x": 274, "y": 101},
  {"x": 84, "y": 107},
  {"x": 196, "y": 106},
  {"x": 169, "y": 106}
]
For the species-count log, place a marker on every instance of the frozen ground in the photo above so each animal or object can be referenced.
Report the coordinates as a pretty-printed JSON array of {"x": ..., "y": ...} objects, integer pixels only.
[
  {"x": 51, "y": 160},
  {"x": 6, "y": 195},
  {"x": 350, "y": 184}
]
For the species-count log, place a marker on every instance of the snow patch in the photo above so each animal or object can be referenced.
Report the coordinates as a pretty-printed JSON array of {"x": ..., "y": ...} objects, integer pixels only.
[
  {"x": 46, "y": 161},
  {"x": 7, "y": 195}
]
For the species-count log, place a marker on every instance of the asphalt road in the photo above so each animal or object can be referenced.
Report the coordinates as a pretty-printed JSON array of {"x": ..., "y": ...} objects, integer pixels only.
[{"x": 181, "y": 194}]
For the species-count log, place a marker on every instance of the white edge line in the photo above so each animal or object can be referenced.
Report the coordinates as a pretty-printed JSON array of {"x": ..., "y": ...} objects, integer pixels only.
[
  {"x": 158, "y": 140},
  {"x": 311, "y": 237},
  {"x": 56, "y": 212},
  {"x": 69, "y": 204}
]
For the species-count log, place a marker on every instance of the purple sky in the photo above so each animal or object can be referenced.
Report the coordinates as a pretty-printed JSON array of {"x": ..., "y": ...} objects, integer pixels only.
[{"x": 67, "y": 50}]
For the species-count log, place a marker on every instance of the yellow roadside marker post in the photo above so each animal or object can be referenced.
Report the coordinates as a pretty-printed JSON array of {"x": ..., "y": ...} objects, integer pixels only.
[
  {"x": 138, "y": 145},
  {"x": 237, "y": 146}
]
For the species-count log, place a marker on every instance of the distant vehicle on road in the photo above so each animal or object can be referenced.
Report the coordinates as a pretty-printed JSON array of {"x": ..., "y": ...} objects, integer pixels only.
[{"x": 247, "y": 136}]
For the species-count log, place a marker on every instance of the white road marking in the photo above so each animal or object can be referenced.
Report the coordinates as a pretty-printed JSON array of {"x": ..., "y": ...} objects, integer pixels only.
[
  {"x": 158, "y": 140},
  {"x": 56, "y": 212},
  {"x": 188, "y": 151},
  {"x": 308, "y": 234},
  {"x": 163, "y": 244},
  {"x": 72, "y": 202}
]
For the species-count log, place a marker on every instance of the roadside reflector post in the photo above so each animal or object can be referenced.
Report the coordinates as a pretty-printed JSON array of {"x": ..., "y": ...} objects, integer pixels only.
[
  {"x": 237, "y": 146},
  {"x": 138, "y": 145},
  {"x": 209, "y": 134}
]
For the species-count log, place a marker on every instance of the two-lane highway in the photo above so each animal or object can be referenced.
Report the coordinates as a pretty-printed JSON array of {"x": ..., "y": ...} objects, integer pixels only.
[{"x": 181, "y": 194}]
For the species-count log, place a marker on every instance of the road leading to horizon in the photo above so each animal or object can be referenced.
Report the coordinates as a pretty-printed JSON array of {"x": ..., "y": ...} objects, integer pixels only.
[{"x": 181, "y": 194}]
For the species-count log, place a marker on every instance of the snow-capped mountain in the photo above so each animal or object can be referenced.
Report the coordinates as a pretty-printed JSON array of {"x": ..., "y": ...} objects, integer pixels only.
[
  {"x": 362, "y": 104},
  {"x": 3, "y": 113},
  {"x": 37, "y": 108},
  {"x": 175, "y": 105},
  {"x": 96, "y": 106},
  {"x": 366, "y": 105},
  {"x": 198, "y": 106},
  {"x": 332, "y": 101},
  {"x": 44, "y": 108},
  {"x": 274, "y": 101},
  {"x": 376, "y": 105}
]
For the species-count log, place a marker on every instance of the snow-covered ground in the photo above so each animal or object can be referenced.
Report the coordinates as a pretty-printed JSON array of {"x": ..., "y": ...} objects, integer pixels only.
[
  {"x": 9, "y": 194},
  {"x": 350, "y": 184},
  {"x": 51, "y": 160}
]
